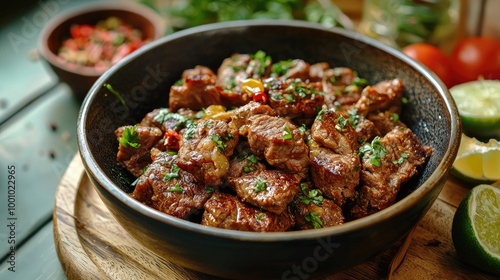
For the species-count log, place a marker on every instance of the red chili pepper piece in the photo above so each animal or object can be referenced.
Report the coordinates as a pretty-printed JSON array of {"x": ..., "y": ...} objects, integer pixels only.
[
  {"x": 172, "y": 139},
  {"x": 260, "y": 97}
]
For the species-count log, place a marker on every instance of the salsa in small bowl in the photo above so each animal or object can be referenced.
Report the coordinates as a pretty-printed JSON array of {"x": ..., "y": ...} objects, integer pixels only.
[{"x": 81, "y": 44}]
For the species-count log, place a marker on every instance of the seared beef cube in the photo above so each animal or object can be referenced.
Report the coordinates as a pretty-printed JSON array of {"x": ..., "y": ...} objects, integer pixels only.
[
  {"x": 229, "y": 77},
  {"x": 339, "y": 84},
  {"x": 385, "y": 121},
  {"x": 244, "y": 163},
  {"x": 335, "y": 175},
  {"x": 336, "y": 76},
  {"x": 317, "y": 71},
  {"x": 311, "y": 210},
  {"x": 227, "y": 211},
  {"x": 383, "y": 96},
  {"x": 270, "y": 190},
  {"x": 294, "y": 98},
  {"x": 237, "y": 68},
  {"x": 149, "y": 119},
  {"x": 341, "y": 76},
  {"x": 134, "y": 146},
  {"x": 366, "y": 130},
  {"x": 291, "y": 69},
  {"x": 243, "y": 113},
  {"x": 232, "y": 71},
  {"x": 386, "y": 164},
  {"x": 205, "y": 147},
  {"x": 279, "y": 141},
  {"x": 197, "y": 90},
  {"x": 259, "y": 66},
  {"x": 169, "y": 189},
  {"x": 334, "y": 131}
]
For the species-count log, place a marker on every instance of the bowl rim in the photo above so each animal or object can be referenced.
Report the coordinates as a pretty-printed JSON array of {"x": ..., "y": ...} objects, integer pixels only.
[
  {"x": 434, "y": 181},
  {"x": 147, "y": 13}
]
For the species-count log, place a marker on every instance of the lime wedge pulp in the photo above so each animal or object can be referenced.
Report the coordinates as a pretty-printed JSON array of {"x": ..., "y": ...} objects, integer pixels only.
[{"x": 477, "y": 162}]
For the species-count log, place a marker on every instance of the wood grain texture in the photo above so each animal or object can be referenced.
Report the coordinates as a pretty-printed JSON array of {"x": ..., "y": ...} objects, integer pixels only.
[{"x": 91, "y": 245}]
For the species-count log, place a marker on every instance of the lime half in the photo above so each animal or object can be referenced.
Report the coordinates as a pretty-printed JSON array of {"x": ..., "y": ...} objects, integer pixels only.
[
  {"x": 477, "y": 162},
  {"x": 478, "y": 104},
  {"x": 476, "y": 228}
]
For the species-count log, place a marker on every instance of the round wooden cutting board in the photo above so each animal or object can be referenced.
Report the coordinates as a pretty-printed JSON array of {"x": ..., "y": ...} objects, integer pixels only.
[{"x": 92, "y": 245}]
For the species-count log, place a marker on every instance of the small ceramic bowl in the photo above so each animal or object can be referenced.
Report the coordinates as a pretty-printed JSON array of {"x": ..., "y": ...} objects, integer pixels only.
[
  {"x": 143, "y": 80},
  {"x": 81, "y": 78}
]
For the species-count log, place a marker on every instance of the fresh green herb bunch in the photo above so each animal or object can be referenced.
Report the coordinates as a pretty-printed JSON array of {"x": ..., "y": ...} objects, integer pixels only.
[{"x": 190, "y": 13}]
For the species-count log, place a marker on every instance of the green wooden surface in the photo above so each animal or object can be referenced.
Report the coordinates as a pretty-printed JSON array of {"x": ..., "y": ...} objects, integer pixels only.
[
  {"x": 37, "y": 259},
  {"x": 39, "y": 141},
  {"x": 37, "y": 135}
]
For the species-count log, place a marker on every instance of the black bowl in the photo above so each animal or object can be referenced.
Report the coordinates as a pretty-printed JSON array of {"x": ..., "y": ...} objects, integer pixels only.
[{"x": 143, "y": 80}]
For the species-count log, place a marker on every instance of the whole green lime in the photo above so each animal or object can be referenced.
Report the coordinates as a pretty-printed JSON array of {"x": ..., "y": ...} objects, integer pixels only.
[{"x": 476, "y": 228}]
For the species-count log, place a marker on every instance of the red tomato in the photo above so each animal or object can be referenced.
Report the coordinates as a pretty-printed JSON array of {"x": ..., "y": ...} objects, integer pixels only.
[
  {"x": 474, "y": 57},
  {"x": 433, "y": 58}
]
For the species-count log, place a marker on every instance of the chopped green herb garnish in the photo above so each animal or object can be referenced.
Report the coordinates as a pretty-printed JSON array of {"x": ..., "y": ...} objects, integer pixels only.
[
  {"x": 135, "y": 182},
  {"x": 251, "y": 161},
  {"x": 280, "y": 68},
  {"x": 297, "y": 88},
  {"x": 242, "y": 156},
  {"x": 401, "y": 159},
  {"x": 116, "y": 93},
  {"x": 227, "y": 137},
  {"x": 260, "y": 216},
  {"x": 276, "y": 97},
  {"x": 220, "y": 141},
  {"x": 200, "y": 114},
  {"x": 176, "y": 189},
  {"x": 287, "y": 133},
  {"x": 404, "y": 100},
  {"x": 351, "y": 88},
  {"x": 360, "y": 82},
  {"x": 221, "y": 146},
  {"x": 171, "y": 152},
  {"x": 314, "y": 219},
  {"x": 174, "y": 173},
  {"x": 303, "y": 128},
  {"x": 376, "y": 150},
  {"x": 209, "y": 190},
  {"x": 164, "y": 115},
  {"x": 353, "y": 117},
  {"x": 288, "y": 97},
  {"x": 394, "y": 117},
  {"x": 130, "y": 137},
  {"x": 179, "y": 82},
  {"x": 260, "y": 185},
  {"x": 259, "y": 63},
  {"x": 341, "y": 123},
  {"x": 315, "y": 196},
  {"x": 319, "y": 117},
  {"x": 190, "y": 129}
]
